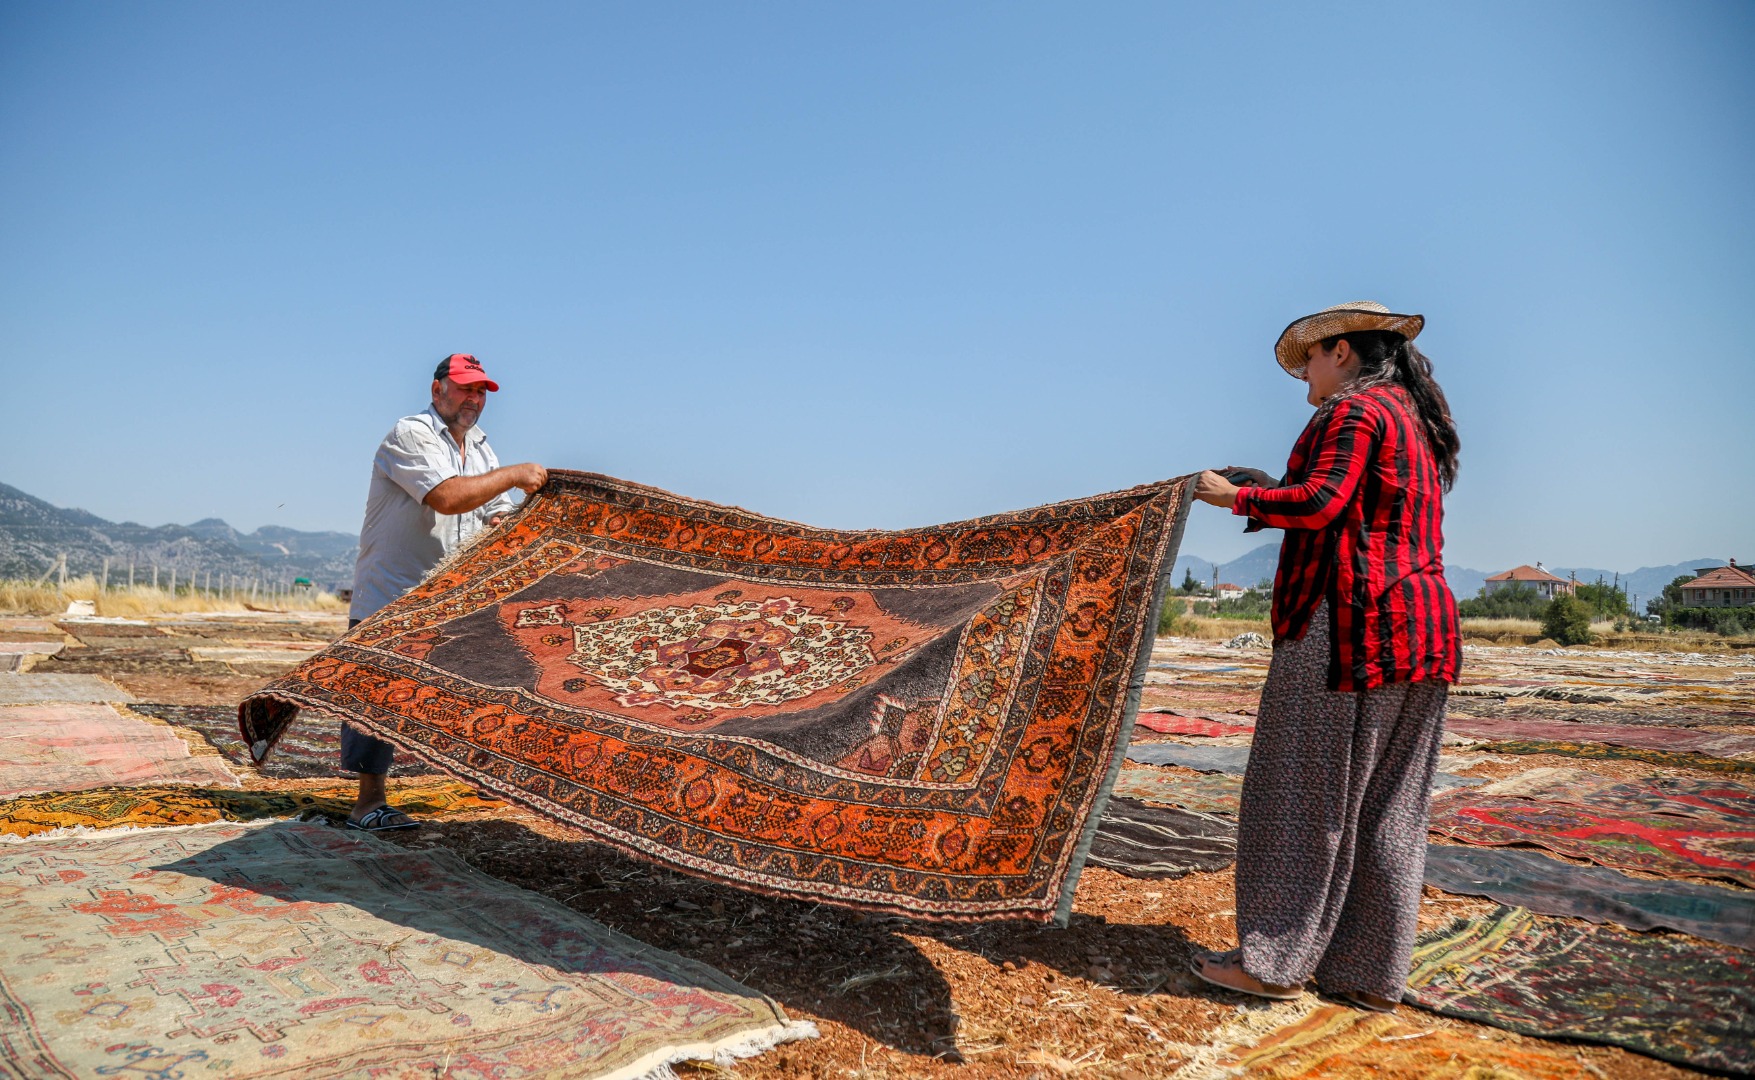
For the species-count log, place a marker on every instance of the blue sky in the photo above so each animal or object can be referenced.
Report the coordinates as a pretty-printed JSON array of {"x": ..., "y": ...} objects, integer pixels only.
[{"x": 879, "y": 265}]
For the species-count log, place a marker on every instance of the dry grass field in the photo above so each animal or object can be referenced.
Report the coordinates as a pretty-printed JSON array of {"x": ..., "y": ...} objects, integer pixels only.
[{"x": 28, "y": 598}]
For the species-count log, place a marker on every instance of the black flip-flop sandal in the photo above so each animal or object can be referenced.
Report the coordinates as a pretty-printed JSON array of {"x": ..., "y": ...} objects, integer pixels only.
[{"x": 383, "y": 819}]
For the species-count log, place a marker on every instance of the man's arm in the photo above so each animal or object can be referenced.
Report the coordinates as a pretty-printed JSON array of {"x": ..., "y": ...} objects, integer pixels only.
[{"x": 461, "y": 494}]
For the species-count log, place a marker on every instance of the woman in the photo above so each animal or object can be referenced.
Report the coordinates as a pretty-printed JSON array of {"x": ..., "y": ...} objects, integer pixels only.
[{"x": 1332, "y": 841}]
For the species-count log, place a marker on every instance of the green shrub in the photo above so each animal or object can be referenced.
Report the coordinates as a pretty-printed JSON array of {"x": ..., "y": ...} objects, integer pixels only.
[
  {"x": 1567, "y": 621},
  {"x": 1253, "y": 604},
  {"x": 1510, "y": 602},
  {"x": 1168, "y": 615}
]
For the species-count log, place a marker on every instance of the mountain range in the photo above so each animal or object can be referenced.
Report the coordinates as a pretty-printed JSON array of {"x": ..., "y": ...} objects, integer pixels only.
[{"x": 33, "y": 534}]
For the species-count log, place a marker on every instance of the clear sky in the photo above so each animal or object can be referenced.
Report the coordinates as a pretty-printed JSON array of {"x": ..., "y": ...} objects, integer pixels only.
[{"x": 879, "y": 264}]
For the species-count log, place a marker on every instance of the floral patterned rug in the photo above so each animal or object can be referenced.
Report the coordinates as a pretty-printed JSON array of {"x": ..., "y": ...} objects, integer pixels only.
[
  {"x": 296, "y": 950},
  {"x": 923, "y": 722}
]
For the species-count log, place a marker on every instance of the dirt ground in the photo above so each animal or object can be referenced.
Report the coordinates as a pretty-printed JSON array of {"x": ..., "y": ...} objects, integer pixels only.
[{"x": 1107, "y": 996}]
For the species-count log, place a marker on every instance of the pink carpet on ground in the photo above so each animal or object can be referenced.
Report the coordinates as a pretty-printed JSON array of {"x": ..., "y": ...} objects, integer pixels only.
[
  {"x": 1715, "y": 743},
  {"x": 1176, "y": 723},
  {"x": 78, "y": 747}
]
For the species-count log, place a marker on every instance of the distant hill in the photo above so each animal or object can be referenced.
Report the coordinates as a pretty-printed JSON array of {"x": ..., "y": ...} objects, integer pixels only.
[
  {"x": 1647, "y": 582},
  {"x": 1258, "y": 565},
  {"x": 33, "y": 533}
]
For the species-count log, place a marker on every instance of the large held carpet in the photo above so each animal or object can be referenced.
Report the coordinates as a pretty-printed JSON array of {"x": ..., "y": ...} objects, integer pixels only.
[
  {"x": 1148, "y": 841},
  {"x": 31, "y": 688},
  {"x": 1529, "y": 879},
  {"x": 108, "y": 808},
  {"x": 1663, "y": 759},
  {"x": 1683, "y": 795},
  {"x": 1209, "y": 793},
  {"x": 75, "y": 747},
  {"x": 1669, "y": 996},
  {"x": 923, "y": 722},
  {"x": 1661, "y": 844},
  {"x": 287, "y": 949},
  {"x": 310, "y": 749},
  {"x": 1334, "y": 1042},
  {"x": 1674, "y": 739}
]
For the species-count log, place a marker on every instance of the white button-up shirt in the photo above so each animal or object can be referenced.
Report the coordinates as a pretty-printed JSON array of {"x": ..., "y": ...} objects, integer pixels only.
[{"x": 403, "y": 538}]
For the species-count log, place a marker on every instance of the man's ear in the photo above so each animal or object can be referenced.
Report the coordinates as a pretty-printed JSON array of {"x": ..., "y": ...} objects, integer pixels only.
[{"x": 438, "y": 385}]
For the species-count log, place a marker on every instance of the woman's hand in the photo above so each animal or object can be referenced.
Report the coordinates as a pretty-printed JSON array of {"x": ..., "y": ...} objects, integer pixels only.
[
  {"x": 1210, "y": 487},
  {"x": 1250, "y": 477}
]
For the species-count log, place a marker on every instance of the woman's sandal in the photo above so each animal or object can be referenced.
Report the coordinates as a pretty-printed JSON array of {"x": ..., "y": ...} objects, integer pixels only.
[
  {"x": 1225, "y": 970},
  {"x": 383, "y": 819},
  {"x": 1359, "y": 1000}
]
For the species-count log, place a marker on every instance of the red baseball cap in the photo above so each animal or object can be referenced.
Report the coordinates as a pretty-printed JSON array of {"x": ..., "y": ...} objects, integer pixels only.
[{"x": 464, "y": 370}]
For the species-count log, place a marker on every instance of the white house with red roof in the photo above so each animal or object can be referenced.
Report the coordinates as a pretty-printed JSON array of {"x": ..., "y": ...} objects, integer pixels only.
[
  {"x": 1720, "y": 586},
  {"x": 1533, "y": 577},
  {"x": 1228, "y": 591}
]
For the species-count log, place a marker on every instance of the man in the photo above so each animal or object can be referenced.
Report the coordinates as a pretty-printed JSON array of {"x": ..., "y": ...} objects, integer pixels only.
[{"x": 435, "y": 484}]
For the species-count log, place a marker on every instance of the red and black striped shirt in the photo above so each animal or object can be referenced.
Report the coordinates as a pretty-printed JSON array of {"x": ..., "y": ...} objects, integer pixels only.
[{"x": 1363, "y": 511}]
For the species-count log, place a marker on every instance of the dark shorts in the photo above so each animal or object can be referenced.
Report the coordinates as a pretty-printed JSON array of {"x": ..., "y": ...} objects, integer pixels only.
[{"x": 362, "y": 753}]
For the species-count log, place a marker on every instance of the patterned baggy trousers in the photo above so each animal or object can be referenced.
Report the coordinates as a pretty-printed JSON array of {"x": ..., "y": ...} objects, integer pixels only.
[{"x": 1331, "y": 846}]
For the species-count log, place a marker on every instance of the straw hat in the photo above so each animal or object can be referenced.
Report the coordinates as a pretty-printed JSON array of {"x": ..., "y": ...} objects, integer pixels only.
[{"x": 1295, "y": 340}]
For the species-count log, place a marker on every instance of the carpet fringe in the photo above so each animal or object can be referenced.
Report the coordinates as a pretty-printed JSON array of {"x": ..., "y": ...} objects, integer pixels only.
[
  {"x": 725, "y": 1056},
  {"x": 1247, "y": 1027}
]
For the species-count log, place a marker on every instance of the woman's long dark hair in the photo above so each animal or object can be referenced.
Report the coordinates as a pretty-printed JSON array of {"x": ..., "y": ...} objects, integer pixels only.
[{"x": 1387, "y": 359}]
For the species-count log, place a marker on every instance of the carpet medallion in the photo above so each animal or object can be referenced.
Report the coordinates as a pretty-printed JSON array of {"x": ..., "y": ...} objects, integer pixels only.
[
  {"x": 920, "y": 722},
  {"x": 297, "y": 950},
  {"x": 1669, "y": 996}
]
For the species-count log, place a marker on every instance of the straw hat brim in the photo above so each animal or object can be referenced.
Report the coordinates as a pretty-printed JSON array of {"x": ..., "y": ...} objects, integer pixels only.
[{"x": 1295, "y": 340}]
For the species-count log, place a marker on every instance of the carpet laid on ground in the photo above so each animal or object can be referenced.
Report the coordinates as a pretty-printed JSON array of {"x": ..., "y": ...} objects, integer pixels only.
[
  {"x": 1661, "y": 844},
  {"x": 1170, "y": 723},
  {"x": 292, "y": 949},
  {"x": 1209, "y": 793},
  {"x": 1148, "y": 841},
  {"x": 1529, "y": 879},
  {"x": 920, "y": 722},
  {"x": 108, "y": 808},
  {"x": 1681, "y": 795},
  {"x": 1663, "y": 759},
  {"x": 1334, "y": 1042},
  {"x": 1231, "y": 760},
  {"x": 30, "y": 688},
  {"x": 1669, "y": 996},
  {"x": 1674, "y": 739},
  {"x": 310, "y": 749},
  {"x": 80, "y": 746}
]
